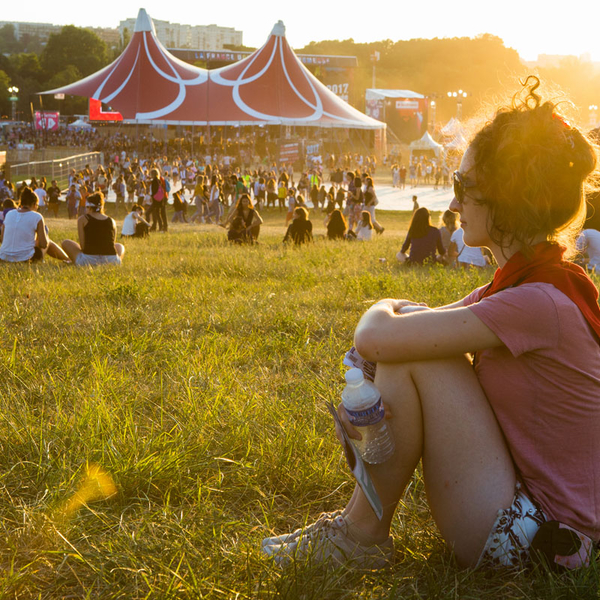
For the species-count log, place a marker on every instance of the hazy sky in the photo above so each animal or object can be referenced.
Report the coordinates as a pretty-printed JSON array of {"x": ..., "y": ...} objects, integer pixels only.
[{"x": 530, "y": 27}]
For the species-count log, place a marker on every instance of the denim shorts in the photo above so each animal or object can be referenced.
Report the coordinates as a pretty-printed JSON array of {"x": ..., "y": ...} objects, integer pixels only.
[
  {"x": 511, "y": 535},
  {"x": 91, "y": 260}
]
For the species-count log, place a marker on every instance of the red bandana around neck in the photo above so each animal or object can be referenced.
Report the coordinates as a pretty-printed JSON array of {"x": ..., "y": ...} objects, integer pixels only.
[{"x": 547, "y": 266}]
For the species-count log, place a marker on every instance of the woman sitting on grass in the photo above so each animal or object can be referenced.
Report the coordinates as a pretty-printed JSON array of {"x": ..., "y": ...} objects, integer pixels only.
[
  {"x": 336, "y": 225},
  {"x": 97, "y": 233},
  {"x": 252, "y": 220},
  {"x": 300, "y": 229},
  {"x": 423, "y": 240},
  {"x": 24, "y": 235},
  {"x": 134, "y": 224},
  {"x": 509, "y": 444},
  {"x": 364, "y": 229}
]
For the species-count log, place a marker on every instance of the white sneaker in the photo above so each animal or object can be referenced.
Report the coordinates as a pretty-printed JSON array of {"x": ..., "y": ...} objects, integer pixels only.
[
  {"x": 289, "y": 537},
  {"x": 328, "y": 543}
]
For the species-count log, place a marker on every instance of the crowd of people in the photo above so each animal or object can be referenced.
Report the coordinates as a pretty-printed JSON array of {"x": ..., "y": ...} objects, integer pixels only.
[
  {"x": 223, "y": 195},
  {"x": 226, "y": 196},
  {"x": 509, "y": 477}
]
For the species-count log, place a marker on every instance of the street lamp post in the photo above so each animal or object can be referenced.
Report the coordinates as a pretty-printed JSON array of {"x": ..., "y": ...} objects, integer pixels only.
[
  {"x": 13, "y": 91},
  {"x": 375, "y": 56},
  {"x": 593, "y": 116},
  {"x": 433, "y": 107},
  {"x": 460, "y": 95}
]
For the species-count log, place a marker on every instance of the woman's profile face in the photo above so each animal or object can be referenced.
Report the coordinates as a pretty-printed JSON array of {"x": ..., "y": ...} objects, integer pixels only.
[{"x": 473, "y": 216}]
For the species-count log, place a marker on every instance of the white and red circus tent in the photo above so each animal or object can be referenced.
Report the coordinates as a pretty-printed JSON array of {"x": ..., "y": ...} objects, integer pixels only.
[{"x": 147, "y": 84}]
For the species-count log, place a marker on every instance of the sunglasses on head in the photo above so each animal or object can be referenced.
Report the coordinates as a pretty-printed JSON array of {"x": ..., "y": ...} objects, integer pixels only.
[{"x": 460, "y": 185}]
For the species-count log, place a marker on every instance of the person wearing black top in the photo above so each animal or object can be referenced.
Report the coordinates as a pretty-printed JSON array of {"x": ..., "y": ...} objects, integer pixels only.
[
  {"x": 300, "y": 229},
  {"x": 53, "y": 195},
  {"x": 336, "y": 225},
  {"x": 158, "y": 209},
  {"x": 97, "y": 234}
]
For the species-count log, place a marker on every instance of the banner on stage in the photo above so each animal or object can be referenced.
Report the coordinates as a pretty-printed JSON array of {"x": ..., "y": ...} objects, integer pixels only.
[{"x": 46, "y": 120}]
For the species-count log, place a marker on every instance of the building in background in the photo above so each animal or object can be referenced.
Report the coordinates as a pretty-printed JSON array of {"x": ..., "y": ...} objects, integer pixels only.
[
  {"x": 176, "y": 35},
  {"x": 42, "y": 32}
]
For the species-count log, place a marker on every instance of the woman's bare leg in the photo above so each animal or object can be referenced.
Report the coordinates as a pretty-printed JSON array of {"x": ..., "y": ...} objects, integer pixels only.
[
  {"x": 73, "y": 249},
  {"x": 440, "y": 413},
  {"x": 55, "y": 251}
]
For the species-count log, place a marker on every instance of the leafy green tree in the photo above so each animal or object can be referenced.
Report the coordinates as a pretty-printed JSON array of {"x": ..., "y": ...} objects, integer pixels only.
[
  {"x": 8, "y": 39},
  {"x": 481, "y": 66},
  {"x": 4, "y": 95},
  {"x": 74, "y": 46},
  {"x": 71, "y": 105},
  {"x": 25, "y": 66}
]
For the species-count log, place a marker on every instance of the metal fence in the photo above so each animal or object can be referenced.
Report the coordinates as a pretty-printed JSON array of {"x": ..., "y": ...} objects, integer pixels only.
[{"x": 58, "y": 169}]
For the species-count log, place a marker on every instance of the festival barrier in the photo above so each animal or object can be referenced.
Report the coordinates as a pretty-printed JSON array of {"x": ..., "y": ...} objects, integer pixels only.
[{"x": 58, "y": 169}]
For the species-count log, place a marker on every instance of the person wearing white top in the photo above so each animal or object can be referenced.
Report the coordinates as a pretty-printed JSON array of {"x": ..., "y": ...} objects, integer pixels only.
[
  {"x": 23, "y": 233},
  {"x": 465, "y": 255},
  {"x": 364, "y": 230},
  {"x": 41, "y": 193},
  {"x": 588, "y": 242},
  {"x": 131, "y": 221}
]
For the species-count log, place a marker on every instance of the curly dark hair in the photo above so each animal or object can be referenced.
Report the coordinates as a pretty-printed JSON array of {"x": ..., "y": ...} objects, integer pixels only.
[{"x": 532, "y": 167}]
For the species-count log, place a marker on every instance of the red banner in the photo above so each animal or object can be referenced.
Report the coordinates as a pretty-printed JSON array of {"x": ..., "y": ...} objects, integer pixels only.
[
  {"x": 97, "y": 114},
  {"x": 46, "y": 120}
]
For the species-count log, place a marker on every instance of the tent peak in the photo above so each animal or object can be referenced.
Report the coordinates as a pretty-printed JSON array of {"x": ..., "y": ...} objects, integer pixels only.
[
  {"x": 143, "y": 22},
  {"x": 279, "y": 29}
]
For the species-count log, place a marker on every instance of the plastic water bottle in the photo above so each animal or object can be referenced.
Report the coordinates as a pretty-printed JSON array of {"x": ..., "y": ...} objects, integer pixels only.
[{"x": 362, "y": 402}]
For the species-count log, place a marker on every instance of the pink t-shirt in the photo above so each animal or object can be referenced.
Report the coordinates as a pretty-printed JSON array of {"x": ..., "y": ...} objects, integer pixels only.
[{"x": 544, "y": 387}]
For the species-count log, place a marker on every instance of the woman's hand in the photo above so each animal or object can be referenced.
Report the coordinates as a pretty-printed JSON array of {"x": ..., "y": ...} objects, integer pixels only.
[
  {"x": 352, "y": 432},
  {"x": 396, "y": 305}
]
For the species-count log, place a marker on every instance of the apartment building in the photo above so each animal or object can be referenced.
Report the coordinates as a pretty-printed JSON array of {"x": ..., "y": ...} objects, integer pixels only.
[{"x": 176, "y": 35}]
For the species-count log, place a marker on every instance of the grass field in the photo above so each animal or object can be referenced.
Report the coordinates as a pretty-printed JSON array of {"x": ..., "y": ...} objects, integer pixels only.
[{"x": 196, "y": 377}]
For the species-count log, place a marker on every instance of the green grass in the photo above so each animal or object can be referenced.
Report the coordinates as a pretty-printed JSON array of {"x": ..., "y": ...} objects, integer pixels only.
[{"x": 196, "y": 376}]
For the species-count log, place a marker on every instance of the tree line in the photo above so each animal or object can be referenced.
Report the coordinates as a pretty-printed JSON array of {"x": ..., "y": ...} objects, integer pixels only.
[{"x": 483, "y": 67}]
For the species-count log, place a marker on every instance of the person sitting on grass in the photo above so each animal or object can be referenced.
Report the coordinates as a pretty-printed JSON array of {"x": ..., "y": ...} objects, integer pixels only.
[
  {"x": 299, "y": 230},
  {"x": 448, "y": 228},
  {"x": 97, "y": 233},
  {"x": 237, "y": 231},
  {"x": 336, "y": 225},
  {"x": 134, "y": 224},
  {"x": 364, "y": 229},
  {"x": 24, "y": 234},
  {"x": 508, "y": 443},
  {"x": 423, "y": 240},
  {"x": 8, "y": 205},
  {"x": 252, "y": 220}
]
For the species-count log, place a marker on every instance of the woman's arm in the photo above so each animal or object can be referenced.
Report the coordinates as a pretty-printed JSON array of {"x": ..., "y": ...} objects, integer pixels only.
[
  {"x": 383, "y": 335},
  {"x": 139, "y": 219},
  {"x": 440, "y": 246},
  {"x": 406, "y": 245},
  {"x": 40, "y": 233},
  {"x": 80, "y": 225},
  {"x": 256, "y": 219},
  {"x": 452, "y": 251}
]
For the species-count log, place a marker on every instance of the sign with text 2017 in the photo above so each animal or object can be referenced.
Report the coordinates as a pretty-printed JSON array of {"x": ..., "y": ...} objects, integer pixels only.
[{"x": 46, "y": 120}]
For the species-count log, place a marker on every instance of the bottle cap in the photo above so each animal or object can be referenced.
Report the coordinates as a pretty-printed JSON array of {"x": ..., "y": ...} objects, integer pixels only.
[{"x": 354, "y": 376}]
